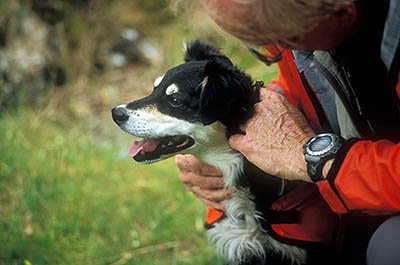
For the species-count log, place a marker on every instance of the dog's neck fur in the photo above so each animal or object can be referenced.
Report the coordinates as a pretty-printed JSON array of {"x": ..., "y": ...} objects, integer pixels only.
[
  {"x": 220, "y": 154},
  {"x": 230, "y": 162}
]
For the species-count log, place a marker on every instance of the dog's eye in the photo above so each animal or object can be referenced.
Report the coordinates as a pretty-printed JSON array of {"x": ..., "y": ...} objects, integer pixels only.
[{"x": 175, "y": 102}]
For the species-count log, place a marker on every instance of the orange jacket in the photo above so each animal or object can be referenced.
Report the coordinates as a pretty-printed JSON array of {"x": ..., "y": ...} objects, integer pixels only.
[{"x": 365, "y": 176}]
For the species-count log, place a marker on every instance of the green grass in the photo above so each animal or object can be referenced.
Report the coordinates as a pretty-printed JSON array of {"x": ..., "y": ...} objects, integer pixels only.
[{"x": 69, "y": 194}]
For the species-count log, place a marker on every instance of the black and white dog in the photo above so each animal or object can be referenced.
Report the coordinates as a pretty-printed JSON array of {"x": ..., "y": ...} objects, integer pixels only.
[{"x": 193, "y": 109}]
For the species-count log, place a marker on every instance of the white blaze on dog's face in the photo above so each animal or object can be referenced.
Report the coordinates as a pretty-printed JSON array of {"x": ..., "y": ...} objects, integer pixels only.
[
  {"x": 158, "y": 81},
  {"x": 172, "y": 89}
]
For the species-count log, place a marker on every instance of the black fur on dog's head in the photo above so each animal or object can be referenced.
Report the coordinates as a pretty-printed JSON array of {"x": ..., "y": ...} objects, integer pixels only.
[
  {"x": 209, "y": 88},
  {"x": 228, "y": 94},
  {"x": 205, "y": 89}
]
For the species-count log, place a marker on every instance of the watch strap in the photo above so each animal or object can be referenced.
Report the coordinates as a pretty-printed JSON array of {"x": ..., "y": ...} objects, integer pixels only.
[{"x": 315, "y": 170}]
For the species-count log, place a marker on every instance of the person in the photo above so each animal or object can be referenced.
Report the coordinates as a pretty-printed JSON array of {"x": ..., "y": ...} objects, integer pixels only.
[{"x": 339, "y": 64}]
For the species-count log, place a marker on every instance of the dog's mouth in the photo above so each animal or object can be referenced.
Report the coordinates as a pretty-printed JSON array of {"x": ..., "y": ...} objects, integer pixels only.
[{"x": 150, "y": 150}]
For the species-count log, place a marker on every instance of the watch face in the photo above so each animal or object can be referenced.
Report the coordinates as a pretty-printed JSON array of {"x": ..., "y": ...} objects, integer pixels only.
[{"x": 320, "y": 143}]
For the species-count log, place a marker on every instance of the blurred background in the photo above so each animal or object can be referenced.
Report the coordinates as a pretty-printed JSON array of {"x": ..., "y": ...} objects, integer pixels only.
[{"x": 69, "y": 193}]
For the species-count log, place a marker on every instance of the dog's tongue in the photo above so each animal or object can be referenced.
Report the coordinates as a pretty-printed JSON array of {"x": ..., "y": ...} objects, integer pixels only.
[{"x": 147, "y": 145}]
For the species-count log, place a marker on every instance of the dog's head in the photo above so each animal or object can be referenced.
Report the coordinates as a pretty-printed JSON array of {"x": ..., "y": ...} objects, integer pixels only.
[{"x": 188, "y": 103}]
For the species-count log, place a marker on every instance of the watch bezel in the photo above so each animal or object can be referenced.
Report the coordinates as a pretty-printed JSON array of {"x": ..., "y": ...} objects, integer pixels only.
[{"x": 334, "y": 141}]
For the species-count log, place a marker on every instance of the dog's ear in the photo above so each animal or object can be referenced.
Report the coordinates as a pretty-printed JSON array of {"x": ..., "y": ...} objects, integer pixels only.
[
  {"x": 227, "y": 94},
  {"x": 208, "y": 109},
  {"x": 199, "y": 51}
]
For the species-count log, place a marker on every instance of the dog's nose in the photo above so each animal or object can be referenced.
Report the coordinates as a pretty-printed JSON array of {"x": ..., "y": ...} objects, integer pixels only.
[{"x": 119, "y": 114}]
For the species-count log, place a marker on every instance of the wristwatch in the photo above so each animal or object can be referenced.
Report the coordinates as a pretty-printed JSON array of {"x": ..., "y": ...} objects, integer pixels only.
[{"x": 318, "y": 150}]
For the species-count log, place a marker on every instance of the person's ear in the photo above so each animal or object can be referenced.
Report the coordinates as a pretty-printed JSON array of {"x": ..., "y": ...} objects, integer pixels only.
[{"x": 347, "y": 14}]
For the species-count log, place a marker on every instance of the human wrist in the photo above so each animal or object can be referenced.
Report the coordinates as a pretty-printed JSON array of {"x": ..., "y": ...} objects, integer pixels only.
[
  {"x": 327, "y": 168},
  {"x": 304, "y": 171},
  {"x": 299, "y": 170}
]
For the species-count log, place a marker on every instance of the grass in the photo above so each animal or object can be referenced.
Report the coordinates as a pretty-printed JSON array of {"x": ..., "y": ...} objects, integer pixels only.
[{"x": 69, "y": 194}]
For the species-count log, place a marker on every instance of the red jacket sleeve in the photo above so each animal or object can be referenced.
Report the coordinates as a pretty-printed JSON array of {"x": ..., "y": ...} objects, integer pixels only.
[{"x": 365, "y": 176}]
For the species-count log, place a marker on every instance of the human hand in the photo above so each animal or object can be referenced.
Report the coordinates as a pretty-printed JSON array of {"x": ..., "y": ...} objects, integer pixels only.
[
  {"x": 274, "y": 137},
  {"x": 204, "y": 181}
]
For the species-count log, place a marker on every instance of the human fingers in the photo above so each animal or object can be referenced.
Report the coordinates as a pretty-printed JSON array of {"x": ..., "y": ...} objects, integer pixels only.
[
  {"x": 211, "y": 198},
  {"x": 192, "y": 164},
  {"x": 215, "y": 195},
  {"x": 236, "y": 141},
  {"x": 204, "y": 182},
  {"x": 265, "y": 92}
]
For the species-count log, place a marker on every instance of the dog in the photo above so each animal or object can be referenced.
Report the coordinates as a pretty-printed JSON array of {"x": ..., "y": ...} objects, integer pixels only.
[{"x": 193, "y": 109}]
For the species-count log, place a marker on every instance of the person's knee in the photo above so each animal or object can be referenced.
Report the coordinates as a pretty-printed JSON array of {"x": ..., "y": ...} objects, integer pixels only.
[{"x": 384, "y": 246}]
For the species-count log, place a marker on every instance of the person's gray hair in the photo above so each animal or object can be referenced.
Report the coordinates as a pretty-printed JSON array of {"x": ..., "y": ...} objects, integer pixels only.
[{"x": 287, "y": 21}]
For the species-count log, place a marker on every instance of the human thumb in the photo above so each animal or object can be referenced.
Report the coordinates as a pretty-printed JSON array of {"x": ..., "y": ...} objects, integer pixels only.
[{"x": 235, "y": 141}]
